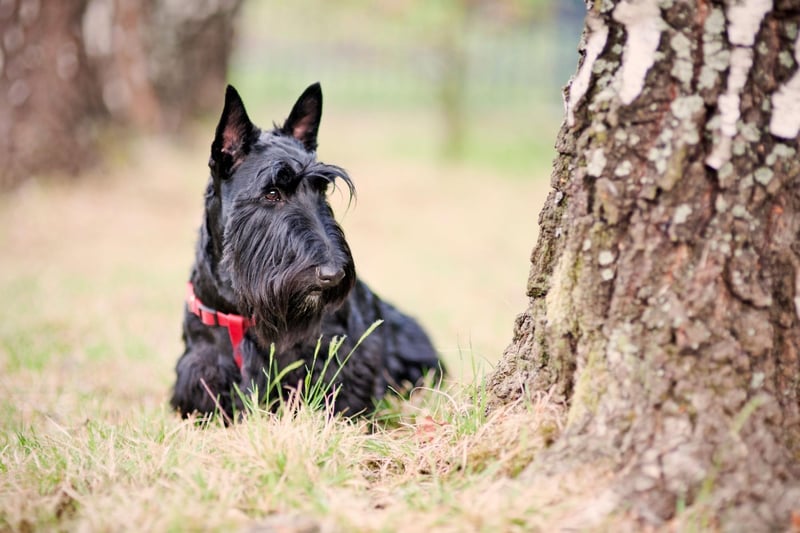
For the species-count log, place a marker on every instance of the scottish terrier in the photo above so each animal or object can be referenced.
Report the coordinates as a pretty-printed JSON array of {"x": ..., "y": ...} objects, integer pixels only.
[{"x": 274, "y": 280}]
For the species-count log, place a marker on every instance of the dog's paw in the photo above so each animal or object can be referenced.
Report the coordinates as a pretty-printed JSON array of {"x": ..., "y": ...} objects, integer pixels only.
[{"x": 203, "y": 386}]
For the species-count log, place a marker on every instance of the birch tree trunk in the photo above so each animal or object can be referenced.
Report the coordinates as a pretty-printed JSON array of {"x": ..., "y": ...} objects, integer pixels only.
[{"x": 665, "y": 283}]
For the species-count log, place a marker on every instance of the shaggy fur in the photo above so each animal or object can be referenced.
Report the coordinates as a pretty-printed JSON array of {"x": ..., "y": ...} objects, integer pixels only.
[{"x": 270, "y": 249}]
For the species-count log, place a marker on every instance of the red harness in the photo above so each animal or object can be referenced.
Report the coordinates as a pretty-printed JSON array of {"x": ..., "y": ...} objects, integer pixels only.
[{"x": 237, "y": 325}]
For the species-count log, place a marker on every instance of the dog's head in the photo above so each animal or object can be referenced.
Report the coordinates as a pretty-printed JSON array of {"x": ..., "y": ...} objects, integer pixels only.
[{"x": 276, "y": 240}]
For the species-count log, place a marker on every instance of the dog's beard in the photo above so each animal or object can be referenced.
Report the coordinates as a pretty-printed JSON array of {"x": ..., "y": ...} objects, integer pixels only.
[
  {"x": 312, "y": 302},
  {"x": 287, "y": 308},
  {"x": 291, "y": 318}
]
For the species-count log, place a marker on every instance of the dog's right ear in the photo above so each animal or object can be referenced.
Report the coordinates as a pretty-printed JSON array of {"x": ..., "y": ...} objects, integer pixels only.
[{"x": 235, "y": 136}]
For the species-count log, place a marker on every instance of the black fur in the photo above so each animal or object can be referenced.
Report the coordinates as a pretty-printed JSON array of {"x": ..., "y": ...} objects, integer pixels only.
[{"x": 270, "y": 249}]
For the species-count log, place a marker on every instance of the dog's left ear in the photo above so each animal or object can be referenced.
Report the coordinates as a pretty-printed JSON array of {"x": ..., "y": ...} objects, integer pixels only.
[
  {"x": 235, "y": 136},
  {"x": 303, "y": 121}
]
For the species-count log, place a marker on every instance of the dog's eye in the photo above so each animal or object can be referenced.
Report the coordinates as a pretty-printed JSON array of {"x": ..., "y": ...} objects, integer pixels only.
[{"x": 273, "y": 195}]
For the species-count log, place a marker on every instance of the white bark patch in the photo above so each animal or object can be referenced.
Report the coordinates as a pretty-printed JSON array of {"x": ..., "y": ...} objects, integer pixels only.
[
  {"x": 721, "y": 153},
  {"x": 682, "y": 213},
  {"x": 643, "y": 25},
  {"x": 98, "y": 28},
  {"x": 623, "y": 169},
  {"x": 797, "y": 292},
  {"x": 785, "y": 121},
  {"x": 595, "y": 42},
  {"x": 744, "y": 18},
  {"x": 597, "y": 163},
  {"x": 741, "y": 61},
  {"x": 605, "y": 258}
]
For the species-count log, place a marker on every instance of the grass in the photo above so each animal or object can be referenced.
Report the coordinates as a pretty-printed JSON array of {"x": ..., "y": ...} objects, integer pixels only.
[
  {"x": 92, "y": 276},
  {"x": 154, "y": 472}
]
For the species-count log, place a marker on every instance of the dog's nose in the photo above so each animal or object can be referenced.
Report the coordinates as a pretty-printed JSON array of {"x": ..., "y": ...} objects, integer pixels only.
[{"x": 329, "y": 276}]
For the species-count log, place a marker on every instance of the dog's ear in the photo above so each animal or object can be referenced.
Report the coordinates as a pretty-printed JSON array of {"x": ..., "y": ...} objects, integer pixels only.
[
  {"x": 303, "y": 121},
  {"x": 235, "y": 136}
]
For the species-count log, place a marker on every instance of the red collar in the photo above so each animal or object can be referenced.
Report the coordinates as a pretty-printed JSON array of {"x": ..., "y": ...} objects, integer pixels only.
[{"x": 237, "y": 325}]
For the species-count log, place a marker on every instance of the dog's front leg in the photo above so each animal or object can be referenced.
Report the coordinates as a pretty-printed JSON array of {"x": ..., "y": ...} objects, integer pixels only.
[{"x": 205, "y": 383}]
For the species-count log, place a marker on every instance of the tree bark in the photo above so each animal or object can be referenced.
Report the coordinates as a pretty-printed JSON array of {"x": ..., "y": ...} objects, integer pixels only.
[
  {"x": 665, "y": 284},
  {"x": 68, "y": 67}
]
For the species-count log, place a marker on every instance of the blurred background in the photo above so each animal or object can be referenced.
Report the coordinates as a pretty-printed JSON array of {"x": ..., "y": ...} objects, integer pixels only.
[{"x": 443, "y": 112}]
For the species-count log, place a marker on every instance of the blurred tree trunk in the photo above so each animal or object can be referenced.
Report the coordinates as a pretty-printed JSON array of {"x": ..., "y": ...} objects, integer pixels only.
[
  {"x": 67, "y": 67},
  {"x": 665, "y": 284},
  {"x": 453, "y": 82}
]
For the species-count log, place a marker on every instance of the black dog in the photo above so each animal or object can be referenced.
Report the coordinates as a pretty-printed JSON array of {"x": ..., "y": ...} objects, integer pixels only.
[{"x": 273, "y": 268}]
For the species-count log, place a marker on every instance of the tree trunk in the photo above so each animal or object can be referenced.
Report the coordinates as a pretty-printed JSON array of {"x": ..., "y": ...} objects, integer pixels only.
[
  {"x": 665, "y": 283},
  {"x": 453, "y": 73},
  {"x": 68, "y": 66}
]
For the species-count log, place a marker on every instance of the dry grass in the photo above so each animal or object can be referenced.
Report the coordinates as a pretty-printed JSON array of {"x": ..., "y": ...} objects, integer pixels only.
[
  {"x": 91, "y": 277},
  {"x": 153, "y": 472}
]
